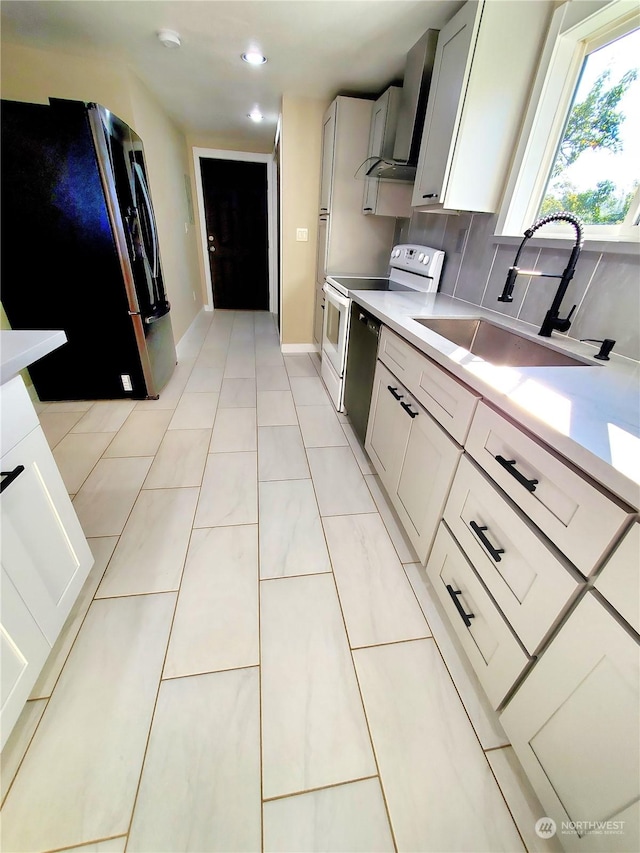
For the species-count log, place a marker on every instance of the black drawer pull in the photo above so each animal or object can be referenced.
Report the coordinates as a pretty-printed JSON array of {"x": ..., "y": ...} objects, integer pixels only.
[
  {"x": 394, "y": 392},
  {"x": 430, "y": 195},
  {"x": 466, "y": 617},
  {"x": 509, "y": 465},
  {"x": 479, "y": 531},
  {"x": 365, "y": 209},
  {"x": 10, "y": 476},
  {"x": 408, "y": 410}
]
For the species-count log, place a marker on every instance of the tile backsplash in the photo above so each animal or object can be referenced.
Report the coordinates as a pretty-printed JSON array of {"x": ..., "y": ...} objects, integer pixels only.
[{"x": 605, "y": 287}]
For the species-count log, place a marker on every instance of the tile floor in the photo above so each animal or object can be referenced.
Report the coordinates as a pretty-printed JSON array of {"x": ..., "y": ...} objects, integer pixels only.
[{"x": 249, "y": 666}]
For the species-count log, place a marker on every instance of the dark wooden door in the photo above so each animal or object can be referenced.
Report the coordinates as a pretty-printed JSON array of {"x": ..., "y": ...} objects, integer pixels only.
[{"x": 235, "y": 201}]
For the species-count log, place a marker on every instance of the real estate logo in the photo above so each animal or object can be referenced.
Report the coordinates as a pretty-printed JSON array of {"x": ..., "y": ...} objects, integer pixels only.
[{"x": 545, "y": 827}]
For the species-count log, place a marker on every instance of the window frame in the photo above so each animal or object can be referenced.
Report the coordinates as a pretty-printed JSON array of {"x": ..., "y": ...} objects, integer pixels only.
[{"x": 575, "y": 28}]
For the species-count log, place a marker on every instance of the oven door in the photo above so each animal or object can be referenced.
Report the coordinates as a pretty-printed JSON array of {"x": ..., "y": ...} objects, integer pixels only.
[{"x": 335, "y": 328}]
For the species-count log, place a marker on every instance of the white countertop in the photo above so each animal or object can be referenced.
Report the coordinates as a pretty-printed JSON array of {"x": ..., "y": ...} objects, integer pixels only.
[
  {"x": 591, "y": 415},
  {"x": 19, "y": 349}
]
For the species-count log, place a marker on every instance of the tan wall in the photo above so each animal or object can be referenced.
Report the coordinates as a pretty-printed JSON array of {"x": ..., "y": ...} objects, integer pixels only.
[
  {"x": 301, "y": 151},
  {"x": 35, "y": 75}
]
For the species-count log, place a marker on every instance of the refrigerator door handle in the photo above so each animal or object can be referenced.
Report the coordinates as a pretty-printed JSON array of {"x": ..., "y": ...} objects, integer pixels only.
[{"x": 152, "y": 222}]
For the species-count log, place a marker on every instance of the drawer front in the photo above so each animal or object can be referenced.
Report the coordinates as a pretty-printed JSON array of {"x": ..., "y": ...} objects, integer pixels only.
[
  {"x": 494, "y": 652},
  {"x": 529, "y": 582},
  {"x": 578, "y": 518},
  {"x": 619, "y": 581},
  {"x": 450, "y": 402},
  {"x": 17, "y": 415}
]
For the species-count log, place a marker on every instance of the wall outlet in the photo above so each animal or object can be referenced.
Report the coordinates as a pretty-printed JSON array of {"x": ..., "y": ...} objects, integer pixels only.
[
  {"x": 126, "y": 382},
  {"x": 302, "y": 235}
]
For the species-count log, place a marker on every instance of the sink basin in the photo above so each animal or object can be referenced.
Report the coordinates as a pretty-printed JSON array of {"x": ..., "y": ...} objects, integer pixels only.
[{"x": 498, "y": 345}]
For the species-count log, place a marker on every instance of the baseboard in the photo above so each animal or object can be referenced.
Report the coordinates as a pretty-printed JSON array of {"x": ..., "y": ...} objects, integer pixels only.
[{"x": 292, "y": 349}]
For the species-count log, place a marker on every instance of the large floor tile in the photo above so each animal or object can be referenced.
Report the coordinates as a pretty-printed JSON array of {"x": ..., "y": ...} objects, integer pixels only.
[
  {"x": 140, "y": 434},
  {"x": 348, "y": 818},
  {"x": 110, "y": 845},
  {"x": 105, "y": 500},
  {"x": 275, "y": 408},
  {"x": 483, "y": 717},
  {"x": 234, "y": 430},
  {"x": 338, "y": 481},
  {"x": 281, "y": 454},
  {"x": 314, "y": 731},
  {"x": 320, "y": 427},
  {"x": 172, "y": 391},
  {"x": 204, "y": 378},
  {"x": 200, "y": 787},
  {"x": 268, "y": 353},
  {"x": 271, "y": 377},
  {"x": 299, "y": 365},
  {"x": 79, "y": 777},
  {"x": 180, "y": 460},
  {"x": 377, "y": 599},
  {"x": 240, "y": 365},
  {"x": 238, "y": 394},
  {"x": 437, "y": 782},
  {"x": 102, "y": 549},
  {"x": 56, "y": 425},
  {"x": 149, "y": 556},
  {"x": 229, "y": 493},
  {"x": 105, "y": 416},
  {"x": 69, "y": 406},
  {"x": 358, "y": 450},
  {"x": 18, "y": 743},
  {"x": 291, "y": 537},
  {"x": 216, "y": 621},
  {"x": 76, "y": 455},
  {"x": 400, "y": 540},
  {"x": 521, "y": 799},
  {"x": 309, "y": 391},
  {"x": 195, "y": 411}
]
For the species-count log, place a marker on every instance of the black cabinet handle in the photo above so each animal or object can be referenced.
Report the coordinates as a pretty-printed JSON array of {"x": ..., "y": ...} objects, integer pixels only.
[
  {"x": 10, "y": 476},
  {"x": 430, "y": 195},
  {"x": 466, "y": 617},
  {"x": 394, "y": 392},
  {"x": 509, "y": 465},
  {"x": 367, "y": 208},
  {"x": 408, "y": 410},
  {"x": 479, "y": 531}
]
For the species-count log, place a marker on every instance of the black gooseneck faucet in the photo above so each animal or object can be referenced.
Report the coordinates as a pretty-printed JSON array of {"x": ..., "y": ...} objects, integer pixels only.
[{"x": 552, "y": 318}]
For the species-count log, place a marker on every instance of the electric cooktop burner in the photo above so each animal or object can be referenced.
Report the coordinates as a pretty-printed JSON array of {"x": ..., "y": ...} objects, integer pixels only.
[{"x": 349, "y": 283}]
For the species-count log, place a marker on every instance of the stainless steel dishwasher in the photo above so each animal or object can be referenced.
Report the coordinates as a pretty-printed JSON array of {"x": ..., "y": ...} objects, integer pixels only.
[{"x": 364, "y": 330}]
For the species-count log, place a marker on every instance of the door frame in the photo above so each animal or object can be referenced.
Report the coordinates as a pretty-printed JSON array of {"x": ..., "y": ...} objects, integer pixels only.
[{"x": 272, "y": 201}]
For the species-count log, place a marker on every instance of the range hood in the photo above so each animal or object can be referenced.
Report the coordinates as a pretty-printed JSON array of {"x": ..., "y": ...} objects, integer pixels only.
[{"x": 410, "y": 120}]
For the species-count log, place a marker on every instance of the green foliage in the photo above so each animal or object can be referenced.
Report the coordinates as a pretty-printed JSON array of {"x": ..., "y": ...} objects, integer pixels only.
[
  {"x": 604, "y": 205},
  {"x": 594, "y": 122}
]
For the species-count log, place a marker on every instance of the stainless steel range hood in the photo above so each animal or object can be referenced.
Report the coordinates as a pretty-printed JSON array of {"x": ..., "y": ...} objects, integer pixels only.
[{"x": 413, "y": 105}]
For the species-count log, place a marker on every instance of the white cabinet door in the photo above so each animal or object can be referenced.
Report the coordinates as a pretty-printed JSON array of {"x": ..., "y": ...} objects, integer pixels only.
[
  {"x": 23, "y": 651},
  {"x": 574, "y": 726},
  {"x": 619, "y": 581},
  {"x": 450, "y": 72},
  {"x": 388, "y": 428},
  {"x": 318, "y": 315},
  {"x": 328, "y": 142},
  {"x": 44, "y": 550}
]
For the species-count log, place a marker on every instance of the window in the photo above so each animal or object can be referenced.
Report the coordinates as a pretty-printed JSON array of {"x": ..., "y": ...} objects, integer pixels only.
[{"x": 580, "y": 139}]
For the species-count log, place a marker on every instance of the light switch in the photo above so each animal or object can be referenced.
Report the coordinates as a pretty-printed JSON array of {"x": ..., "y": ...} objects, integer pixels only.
[{"x": 302, "y": 235}]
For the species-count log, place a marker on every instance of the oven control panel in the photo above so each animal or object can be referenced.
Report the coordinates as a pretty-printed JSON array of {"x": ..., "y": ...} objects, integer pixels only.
[{"x": 422, "y": 260}]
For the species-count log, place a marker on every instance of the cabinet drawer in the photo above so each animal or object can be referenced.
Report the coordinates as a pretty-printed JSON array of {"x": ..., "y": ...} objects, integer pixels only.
[
  {"x": 450, "y": 402},
  {"x": 619, "y": 581},
  {"x": 494, "y": 652},
  {"x": 576, "y": 515},
  {"x": 17, "y": 415},
  {"x": 529, "y": 582}
]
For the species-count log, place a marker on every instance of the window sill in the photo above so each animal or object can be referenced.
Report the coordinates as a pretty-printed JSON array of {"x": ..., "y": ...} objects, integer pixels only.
[{"x": 612, "y": 247}]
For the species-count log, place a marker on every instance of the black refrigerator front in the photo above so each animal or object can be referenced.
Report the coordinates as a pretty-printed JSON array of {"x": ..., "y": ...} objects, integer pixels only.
[{"x": 80, "y": 251}]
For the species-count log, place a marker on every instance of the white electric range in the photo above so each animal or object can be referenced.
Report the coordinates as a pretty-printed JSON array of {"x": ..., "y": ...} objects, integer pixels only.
[{"x": 412, "y": 267}]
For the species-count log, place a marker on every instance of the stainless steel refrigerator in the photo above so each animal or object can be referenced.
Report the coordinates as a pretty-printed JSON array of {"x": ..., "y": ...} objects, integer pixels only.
[{"x": 80, "y": 251}]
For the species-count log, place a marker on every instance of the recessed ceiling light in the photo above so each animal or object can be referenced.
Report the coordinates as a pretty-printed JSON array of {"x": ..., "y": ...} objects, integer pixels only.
[
  {"x": 253, "y": 57},
  {"x": 255, "y": 115},
  {"x": 169, "y": 38}
]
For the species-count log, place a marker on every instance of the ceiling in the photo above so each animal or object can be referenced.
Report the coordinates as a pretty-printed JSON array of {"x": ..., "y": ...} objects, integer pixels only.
[{"x": 315, "y": 49}]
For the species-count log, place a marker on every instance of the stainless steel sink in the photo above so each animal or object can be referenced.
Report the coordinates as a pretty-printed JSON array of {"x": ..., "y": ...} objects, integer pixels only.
[{"x": 500, "y": 346}]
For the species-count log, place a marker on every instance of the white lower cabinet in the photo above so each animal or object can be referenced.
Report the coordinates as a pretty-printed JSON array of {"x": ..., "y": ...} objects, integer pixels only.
[
  {"x": 575, "y": 727},
  {"x": 415, "y": 458},
  {"x": 494, "y": 652},
  {"x": 45, "y": 560}
]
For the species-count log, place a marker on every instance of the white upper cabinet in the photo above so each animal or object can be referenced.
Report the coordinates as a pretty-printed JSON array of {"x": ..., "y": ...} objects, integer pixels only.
[
  {"x": 484, "y": 67},
  {"x": 385, "y": 198}
]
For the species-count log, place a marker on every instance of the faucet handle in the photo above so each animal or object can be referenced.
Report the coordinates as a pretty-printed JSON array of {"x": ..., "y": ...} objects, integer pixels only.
[
  {"x": 563, "y": 325},
  {"x": 607, "y": 345}
]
